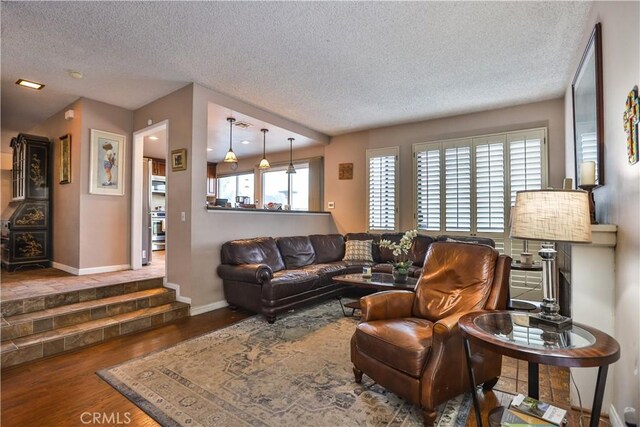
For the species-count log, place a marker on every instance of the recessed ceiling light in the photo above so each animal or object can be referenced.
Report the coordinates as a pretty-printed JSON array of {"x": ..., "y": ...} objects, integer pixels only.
[
  {"x": 245, "y": 142},
  {"x": 209, "y": 149},
  {"x": 153, "y": 138},
  {"x": 75, "y": 74},
  {"x": 29, "y": 84}
]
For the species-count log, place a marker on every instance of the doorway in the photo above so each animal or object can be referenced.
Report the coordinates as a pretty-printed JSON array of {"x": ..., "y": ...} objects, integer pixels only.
[{"x": 149, "y": 196}]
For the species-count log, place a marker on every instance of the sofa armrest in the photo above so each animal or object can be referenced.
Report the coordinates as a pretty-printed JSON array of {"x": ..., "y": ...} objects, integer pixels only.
[
  {"x": 387, "y": 305},
  {"x": 251, "y": 273}
]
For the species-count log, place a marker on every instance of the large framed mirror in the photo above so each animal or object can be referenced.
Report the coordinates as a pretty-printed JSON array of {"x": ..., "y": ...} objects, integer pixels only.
[{"x": 588, "y": 130}]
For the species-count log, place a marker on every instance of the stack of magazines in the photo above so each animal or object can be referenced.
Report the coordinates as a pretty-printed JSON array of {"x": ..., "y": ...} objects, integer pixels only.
[{"x": 527, "y": 411}]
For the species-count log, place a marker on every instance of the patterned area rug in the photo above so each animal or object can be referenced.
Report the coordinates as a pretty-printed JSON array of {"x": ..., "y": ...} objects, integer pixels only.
[{"x": 296, "y": 372}]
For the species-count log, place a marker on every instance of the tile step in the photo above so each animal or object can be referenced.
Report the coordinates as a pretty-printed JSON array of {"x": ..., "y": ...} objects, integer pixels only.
[
  {"x": 43, "y": 344},
  {"x": 28, "y": 305},
  {"x": 67, "y": 315}
]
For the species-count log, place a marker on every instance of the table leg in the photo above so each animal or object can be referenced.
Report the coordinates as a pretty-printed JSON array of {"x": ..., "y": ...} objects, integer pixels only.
[
  {"x": 344, "y": 313},
  {"x": 472, "y": 379},
  {"x": 599, "y": 394},
  {"x": 533, "y": 381}
]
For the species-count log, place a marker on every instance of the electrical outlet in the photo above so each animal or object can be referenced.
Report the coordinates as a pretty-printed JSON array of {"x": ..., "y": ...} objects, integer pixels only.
[
  {"x": 144, "y": 254},
  {"x": 183, "y": 216},
  {"x": 331, "y": 205}
]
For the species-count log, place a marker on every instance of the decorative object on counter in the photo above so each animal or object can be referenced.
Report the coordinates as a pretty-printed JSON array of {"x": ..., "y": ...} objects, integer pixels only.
[
  {"x": 179, "y": 160},
  {"x": 230, "y": 157},
  {"x": 401, "y": 262},
  {"x": 551, "y": 216},
  {"x": 65, "y": 159},
  {"x": 588, "y": 173},
  {"x": 264, "y": 163},
  {"x": 588, "y": 121},
  {"x": 345, "y": 171},
  {"x": 631, "y": 119},
  {"x": 272, "y": 206},
  {"x": 290, "y": 168},
  {"x": 592, "y": 202},
  {"x": 526, "y": 257},
  {"x": 567, "y": 184},
  {"x": 106, "y": 170}
]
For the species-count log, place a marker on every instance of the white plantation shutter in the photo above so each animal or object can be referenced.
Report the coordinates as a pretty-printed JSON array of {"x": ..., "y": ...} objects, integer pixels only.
[
  {"x": 526, "y": 156},
  {"x": 382, "y": 191},
  {"x": 490, "y": 184},
  {"x": 457, "y": 176},
  {"x": 427, "y": 166},
  {"x": 525, "y": 159}
]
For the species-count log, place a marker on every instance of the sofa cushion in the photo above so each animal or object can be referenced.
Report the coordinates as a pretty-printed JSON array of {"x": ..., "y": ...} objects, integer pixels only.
[
  {"x": 403, "y": 344},
  {"x": 419, "y": 249},
  {"x": 287, "y": 283},
  {"x": 261, "y": 250},
  {"x": 330, "y": 270},
  {"x": 375, "y": 249},
  {"x": 358, "y": 250},
  {"x": 328, "y": 247},
  {"x": 296, "y": 251},
  {"x": 457, "y": 277}
]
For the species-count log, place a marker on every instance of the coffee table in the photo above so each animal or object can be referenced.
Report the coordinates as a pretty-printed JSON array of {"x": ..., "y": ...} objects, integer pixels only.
[{"x": 377, "y": 282}]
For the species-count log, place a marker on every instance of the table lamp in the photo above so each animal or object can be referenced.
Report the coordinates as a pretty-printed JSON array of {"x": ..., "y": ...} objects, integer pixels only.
[{"x": 551, "y": 216}]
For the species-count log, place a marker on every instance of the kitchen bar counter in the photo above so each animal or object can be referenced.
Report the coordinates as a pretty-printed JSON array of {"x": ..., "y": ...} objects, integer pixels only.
[{"x": 249, "y": 210}]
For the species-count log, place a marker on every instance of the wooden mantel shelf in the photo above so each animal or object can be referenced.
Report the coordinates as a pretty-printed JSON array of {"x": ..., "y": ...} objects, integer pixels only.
[{"x": 604, "y": 235}]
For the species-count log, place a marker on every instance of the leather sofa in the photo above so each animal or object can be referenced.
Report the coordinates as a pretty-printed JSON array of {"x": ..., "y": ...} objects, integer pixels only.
[{"x": 274, "y": 275}]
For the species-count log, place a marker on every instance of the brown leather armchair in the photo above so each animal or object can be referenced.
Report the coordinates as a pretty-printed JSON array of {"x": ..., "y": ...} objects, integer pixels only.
[{"x": 409, "y": 342}]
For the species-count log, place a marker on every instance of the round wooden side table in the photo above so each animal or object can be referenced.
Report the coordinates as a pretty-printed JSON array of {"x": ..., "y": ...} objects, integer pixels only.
[{"x": 509, "y": 333}]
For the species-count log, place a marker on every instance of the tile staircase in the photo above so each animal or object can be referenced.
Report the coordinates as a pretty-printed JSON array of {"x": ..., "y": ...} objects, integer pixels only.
[{"x": 38, "y": 327}]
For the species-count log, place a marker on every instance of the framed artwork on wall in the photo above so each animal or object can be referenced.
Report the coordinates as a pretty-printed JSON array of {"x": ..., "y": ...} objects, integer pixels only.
[
  {"x": 107, "y": 163},
  {"x": 588, "y": 121},
  {"x": 345, "y": 171},
  {"x": 179, "y": 160},
  {"x": 65, "y": 159}
]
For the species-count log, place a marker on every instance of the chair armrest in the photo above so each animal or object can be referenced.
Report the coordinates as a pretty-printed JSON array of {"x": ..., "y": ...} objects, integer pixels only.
[
  {"x": 251, "y": 273},
  {"x": 387, "y": 305},
  {"x": 447, "y": 326}
]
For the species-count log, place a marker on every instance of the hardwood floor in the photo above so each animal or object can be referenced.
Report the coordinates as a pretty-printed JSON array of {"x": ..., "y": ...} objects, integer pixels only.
[{"x": 65, "y": 391}]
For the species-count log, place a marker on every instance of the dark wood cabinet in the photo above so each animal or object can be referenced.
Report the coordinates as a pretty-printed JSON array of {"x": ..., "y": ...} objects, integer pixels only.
[
  {"x": 26, "y": 228},
  {"x": 158, "y": 167},
  {"x": 211, "y": 178}
]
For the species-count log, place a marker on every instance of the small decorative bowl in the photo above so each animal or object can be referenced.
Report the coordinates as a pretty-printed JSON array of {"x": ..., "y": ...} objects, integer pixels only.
[{"x": 273, "y": 206}]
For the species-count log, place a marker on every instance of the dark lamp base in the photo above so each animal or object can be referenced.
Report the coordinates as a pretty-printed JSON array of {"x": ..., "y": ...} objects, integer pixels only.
[{"x": 561, "y": 324}]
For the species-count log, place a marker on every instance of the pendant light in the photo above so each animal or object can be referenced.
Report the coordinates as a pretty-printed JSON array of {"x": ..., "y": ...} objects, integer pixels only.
[
  {"x": 231, "y": 156},
  {"x": 291, "y": 169},
  {"x": 264, "y": 163}
]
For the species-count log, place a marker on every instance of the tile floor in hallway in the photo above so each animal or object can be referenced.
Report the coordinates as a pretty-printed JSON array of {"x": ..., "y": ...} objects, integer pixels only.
[{"x": 39, "y": 282}]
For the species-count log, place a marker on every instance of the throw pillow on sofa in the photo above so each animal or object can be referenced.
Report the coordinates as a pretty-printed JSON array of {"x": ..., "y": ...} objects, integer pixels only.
[{"x": 358, "y": 250}]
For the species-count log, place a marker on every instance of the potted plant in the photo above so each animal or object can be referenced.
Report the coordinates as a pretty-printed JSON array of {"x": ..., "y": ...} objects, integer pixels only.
[{"x": 400, "y": 250}]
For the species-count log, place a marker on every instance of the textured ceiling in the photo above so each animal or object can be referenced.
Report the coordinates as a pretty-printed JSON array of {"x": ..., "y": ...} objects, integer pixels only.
[{"x": 331, "y": 66}]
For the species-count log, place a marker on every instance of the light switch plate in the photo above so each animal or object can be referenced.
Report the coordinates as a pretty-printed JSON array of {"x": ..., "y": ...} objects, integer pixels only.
[{"x": 183, "y": 216}]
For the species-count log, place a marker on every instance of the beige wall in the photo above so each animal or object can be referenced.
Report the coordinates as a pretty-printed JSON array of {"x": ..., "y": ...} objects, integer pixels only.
[
  {"x": 349, "y": 195},
  {"x": 618, "y": 201},
  {"x": 105, "y": 227},
  {"x": 65, "y": 198},
  {"x": 177, "y": 109}
]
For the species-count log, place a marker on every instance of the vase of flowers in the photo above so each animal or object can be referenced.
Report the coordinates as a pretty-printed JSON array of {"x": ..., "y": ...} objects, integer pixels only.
[{"x": 400, "y": 250}]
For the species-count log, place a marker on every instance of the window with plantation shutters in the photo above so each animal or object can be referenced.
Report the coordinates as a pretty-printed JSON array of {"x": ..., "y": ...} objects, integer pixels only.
[
  {"x": 467, "y": 187},
  {"x": 428, "y": 189},
  {"x": 457, "y": 178},
  {"x": 382, "y": 191},
  {"x": 490, "y": 185}
]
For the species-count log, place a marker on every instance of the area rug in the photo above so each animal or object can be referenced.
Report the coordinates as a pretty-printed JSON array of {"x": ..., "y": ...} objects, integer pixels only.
[{"x": 296, "y": 372}]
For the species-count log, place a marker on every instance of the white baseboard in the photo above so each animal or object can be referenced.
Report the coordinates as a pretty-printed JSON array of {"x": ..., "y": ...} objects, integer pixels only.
[
  {"x": 614, "y": 417},
  {"x": 208, "y": 307},
  {"x": 176, "y": 288},
  {"x": 105, "y": 269},
  {"x": 92, "y": 270},
  {"x": 64, "y": 267}
]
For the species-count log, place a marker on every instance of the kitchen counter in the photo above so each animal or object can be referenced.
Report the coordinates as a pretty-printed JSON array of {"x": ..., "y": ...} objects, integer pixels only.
[{"x": 249, "y": 210}]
